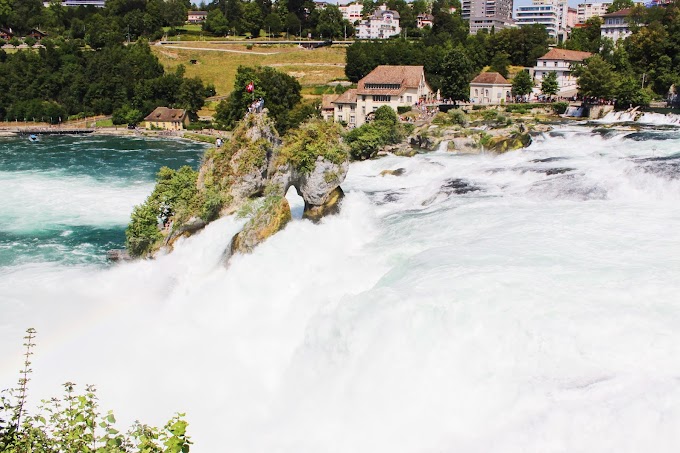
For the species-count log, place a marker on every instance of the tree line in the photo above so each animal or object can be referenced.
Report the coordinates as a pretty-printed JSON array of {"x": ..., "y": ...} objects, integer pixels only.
[
  {"x": 118, "y": 21},
  {"x": 62, "y": 79},
  {"x": 299, "y": 18}
]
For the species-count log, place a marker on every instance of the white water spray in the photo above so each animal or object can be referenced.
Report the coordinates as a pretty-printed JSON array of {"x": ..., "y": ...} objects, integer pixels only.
[{"x": 521, "y": 302}]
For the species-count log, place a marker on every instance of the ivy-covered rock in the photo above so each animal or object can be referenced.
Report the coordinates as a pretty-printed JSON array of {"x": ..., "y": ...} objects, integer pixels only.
[{"x": 271, "y": 217}]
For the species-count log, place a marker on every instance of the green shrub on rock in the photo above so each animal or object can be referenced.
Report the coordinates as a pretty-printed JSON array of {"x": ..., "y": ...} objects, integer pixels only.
[
  {"x": 302, "y": 146},
  {"x": 174, "y": 198},
  {"x": 457, "y": 116},
  {"x": 385, "y": 129},
  {"x": 560, "y": 107}
]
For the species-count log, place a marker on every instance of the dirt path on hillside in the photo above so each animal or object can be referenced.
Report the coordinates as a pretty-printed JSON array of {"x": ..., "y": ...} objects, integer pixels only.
[{"x": 220, "y": 50}]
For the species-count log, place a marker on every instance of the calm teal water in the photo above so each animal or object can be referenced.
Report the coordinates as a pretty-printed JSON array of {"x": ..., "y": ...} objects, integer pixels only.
[{"x": 68, "y": 199}]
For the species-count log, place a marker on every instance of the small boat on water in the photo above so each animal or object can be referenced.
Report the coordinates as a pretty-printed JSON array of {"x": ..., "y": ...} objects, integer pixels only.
[{"x": 33, "y": 138}]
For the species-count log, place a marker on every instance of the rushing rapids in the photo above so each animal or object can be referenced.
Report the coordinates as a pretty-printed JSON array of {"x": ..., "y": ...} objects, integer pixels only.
[{"x": 520, "y": 302}]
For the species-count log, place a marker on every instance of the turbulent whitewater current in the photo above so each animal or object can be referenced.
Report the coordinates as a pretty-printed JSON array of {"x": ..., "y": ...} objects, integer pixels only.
[{"x": 526, "y": 302}]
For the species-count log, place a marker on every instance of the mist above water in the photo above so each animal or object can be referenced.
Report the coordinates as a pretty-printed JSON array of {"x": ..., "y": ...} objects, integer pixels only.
[{"x": 521, "y": 302}]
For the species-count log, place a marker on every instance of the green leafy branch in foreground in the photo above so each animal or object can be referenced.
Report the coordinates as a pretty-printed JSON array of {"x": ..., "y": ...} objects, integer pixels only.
[{"x": 74, "y": 424}]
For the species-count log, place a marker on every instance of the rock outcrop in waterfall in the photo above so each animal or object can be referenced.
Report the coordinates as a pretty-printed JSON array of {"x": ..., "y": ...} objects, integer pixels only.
[{"x": 251, "y": 174}]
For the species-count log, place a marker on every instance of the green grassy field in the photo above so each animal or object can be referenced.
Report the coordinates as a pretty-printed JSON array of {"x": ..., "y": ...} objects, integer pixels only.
[{"x": 217, "y": 64}]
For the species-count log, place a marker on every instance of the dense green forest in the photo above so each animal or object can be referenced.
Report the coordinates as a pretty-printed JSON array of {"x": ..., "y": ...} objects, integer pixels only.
[
  {"x": 62, "y": 79},
  {"x": 120, "y": 20}
]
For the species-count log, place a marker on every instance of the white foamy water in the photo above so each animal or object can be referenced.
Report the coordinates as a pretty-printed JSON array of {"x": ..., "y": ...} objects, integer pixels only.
[
  {"x": 657, "y": 119},
  {"x": 41, "y": 199},
  {"x": 522, "y": 302}
]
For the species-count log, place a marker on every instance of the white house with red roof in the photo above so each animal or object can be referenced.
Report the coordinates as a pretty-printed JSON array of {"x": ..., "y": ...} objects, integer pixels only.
[
  {"x": 394, "y": 86},
  {"x": 562, "y": 62},
  {"x": 490, "y": 88}
]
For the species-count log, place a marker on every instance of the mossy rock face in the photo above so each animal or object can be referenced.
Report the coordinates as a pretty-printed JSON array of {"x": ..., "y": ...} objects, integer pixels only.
[
  {"x": 270, "y": 218},
  {"x": 396, "y": 172},
  {"x": 514, "y": 142},
  {"x": 405, "y": 151},
  {"x": 464, "y": 144},
  {"x": 240, "y": 168},
  {"x": 330, "y": 207}
]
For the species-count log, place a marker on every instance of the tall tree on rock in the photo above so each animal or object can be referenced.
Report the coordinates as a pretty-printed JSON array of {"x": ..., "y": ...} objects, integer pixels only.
[{"x": 280, "y": 92}]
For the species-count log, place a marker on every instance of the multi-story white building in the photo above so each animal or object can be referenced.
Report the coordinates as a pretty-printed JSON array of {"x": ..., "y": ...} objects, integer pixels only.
[
  {"x": 553, "y": 14},
  {"x": 546, "y": 15},
  {"x": 394, "y": 86},
  {"x": 585, "y": 11},
  {"x": 615, "y": 25},
  {"x": 487, "y": 14},
  {"x": 560, "y": 61},
  {"x": 351, "y": 11},
  {"x": 382, "y": 24}
]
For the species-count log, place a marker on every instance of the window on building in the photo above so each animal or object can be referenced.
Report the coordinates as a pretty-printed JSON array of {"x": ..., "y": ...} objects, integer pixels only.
[
  {"x": 545, "y": 63},
  {"x": 555, "y": 64},
  {"x": 409, "y": 99},
  {"x": 476, "y": 92},
  {"x": 381, "y": 98},
  {"x": 486, "y": 93}
]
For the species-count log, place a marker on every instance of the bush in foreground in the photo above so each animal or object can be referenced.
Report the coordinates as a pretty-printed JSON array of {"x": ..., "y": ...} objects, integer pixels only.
[{"x": 74, "y": 423}]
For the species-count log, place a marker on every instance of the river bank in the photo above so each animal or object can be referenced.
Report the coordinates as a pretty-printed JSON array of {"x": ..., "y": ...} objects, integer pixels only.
[{"x": 203, "y": 135}]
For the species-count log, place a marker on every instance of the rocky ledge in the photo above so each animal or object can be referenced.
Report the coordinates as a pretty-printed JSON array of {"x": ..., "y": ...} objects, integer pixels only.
[{"x": 250, "y": 174}]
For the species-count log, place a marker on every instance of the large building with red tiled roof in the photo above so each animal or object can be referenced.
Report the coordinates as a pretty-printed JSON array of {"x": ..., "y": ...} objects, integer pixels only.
[
  {"x": 394, "y": 86},
  {"x": 490, "y": 88},
  {"x": 562, "y": 62}
]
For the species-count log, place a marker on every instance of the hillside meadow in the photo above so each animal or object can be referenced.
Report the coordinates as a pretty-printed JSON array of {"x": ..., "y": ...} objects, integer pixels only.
[{"x": 217, "y": 63}]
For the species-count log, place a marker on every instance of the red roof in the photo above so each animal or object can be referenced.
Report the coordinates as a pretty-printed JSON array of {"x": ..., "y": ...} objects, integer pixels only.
[
  {"x": 402, "y": 76},
  {"x": 165, "y": 115},
  {"x": 564, "y": 54},
  {"x": 327, "y": 101},
  {"x": 348, "y": 97},
  {"x": 619, "y": 13},
  {"x": 490, "y": 78}
]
